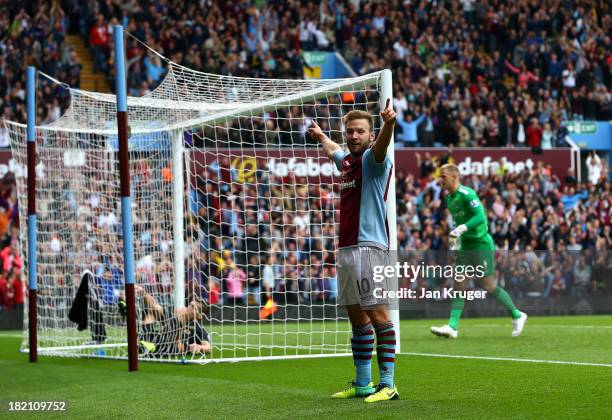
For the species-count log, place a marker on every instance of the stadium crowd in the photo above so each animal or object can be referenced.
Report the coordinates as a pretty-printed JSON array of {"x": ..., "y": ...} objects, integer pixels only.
[
  {"x": 12, "y": 288},
  {"x": 532, "y": 213},
  {"x": 540, "y": 224},
  {"x": 466, "y": 73},
  {"x": 246, "y": 242},
  {"x": 34, "y": 36}
]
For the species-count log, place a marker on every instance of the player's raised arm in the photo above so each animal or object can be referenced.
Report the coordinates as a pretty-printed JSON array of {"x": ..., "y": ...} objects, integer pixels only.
[
  {"x": 388, "y": 116},
  {"x": 329, "y": 147}
]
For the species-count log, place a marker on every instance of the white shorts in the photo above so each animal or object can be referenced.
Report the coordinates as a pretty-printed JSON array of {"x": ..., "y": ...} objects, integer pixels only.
[{"x": 355, "y": 275}]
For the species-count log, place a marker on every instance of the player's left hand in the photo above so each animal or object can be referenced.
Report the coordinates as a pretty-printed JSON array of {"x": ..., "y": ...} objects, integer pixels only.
[
  {"x": 458, "y": 231},
  {"x": 454, "y": 243},
  {"x": 315, "y": 131},
  {"x": 388, "y": 114}
]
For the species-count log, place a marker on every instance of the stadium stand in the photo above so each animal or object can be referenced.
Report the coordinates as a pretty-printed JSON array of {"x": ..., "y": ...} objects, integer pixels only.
[
  {"x": 38, "y": 39},
  {"x": 471, "y": 73},
  {"x": 530, "y": 211},
  {"x": 466, "y": 73}
]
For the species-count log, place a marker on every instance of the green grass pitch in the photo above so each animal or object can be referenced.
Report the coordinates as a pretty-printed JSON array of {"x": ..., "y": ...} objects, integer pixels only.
[{"x": 431, "y": 384}]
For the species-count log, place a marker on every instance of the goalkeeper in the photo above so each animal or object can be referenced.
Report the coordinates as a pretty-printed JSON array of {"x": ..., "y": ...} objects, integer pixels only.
[
  {"x": 475, "y": 246},
  {"x": 177, "y": 333},
  {"x": 363, "y": 244}
]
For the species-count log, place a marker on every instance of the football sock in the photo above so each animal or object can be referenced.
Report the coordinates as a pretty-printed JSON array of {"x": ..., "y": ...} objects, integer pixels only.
[
  {"x": 385, "y": 352},
  {"x": 504, "y": 298},
  {"x": 456, "y": 309},
  {"x": 363, "y": 346}
]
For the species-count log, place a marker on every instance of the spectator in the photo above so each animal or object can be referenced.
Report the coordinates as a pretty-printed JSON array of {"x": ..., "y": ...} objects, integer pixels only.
[
  {"x": 253, "y": 281},
  {"x": 521, "y": 135},
  {"x": 214, "y": 292},
  {"x": 99, "y": 38},
  {"x": 582, "y": 276},
  {"x": 6, "y": 300},
  {"x": 110, "y": 285},
  {"x": 17, "y": 289},
  {"x": 557, "y": 283},
  {"x": 330, "y": 284},
  {"x": 594, "y": 167},
  {"x": 523, "y": 76},
  {"x": 409, "y": 136},
  {"x": 234, "y": 294},
  {"x": 547, "y": 137},
  {"x": 571, "y": 198},
  {"x": 534, "y": 136},
  {"x": 11, "y": 258},
  {"x": 268, "y": 281}
]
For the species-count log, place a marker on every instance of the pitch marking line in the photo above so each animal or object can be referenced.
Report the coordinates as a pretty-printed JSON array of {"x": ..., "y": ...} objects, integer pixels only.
[
  {"x": 9, "y": 335},
  {"x": 595, "y": 327},
  {"x": 508, "y": 359}
]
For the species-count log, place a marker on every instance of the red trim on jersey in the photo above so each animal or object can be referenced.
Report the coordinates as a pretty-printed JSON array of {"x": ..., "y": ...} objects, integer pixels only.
[
  {"x": 387, "y": 230},
  {"x": 385, "y": 199},
  {"x": 388, "y": 182}
]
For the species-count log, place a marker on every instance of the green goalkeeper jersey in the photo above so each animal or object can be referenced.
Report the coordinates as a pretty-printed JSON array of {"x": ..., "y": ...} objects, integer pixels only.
[{"x": 466, "y": 209}]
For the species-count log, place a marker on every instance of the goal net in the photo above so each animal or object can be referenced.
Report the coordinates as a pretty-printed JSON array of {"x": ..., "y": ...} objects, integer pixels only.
[{"x": 234, "y": 209}]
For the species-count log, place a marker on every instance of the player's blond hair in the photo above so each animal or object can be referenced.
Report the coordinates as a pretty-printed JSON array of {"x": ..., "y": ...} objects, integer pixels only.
[
  {"x": 451, "y": 168},
  {"x": 359, "y": 115}
]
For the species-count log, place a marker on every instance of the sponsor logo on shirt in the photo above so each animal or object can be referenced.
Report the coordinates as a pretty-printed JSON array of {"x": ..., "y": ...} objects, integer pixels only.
[{"x": 349, "y": 184}]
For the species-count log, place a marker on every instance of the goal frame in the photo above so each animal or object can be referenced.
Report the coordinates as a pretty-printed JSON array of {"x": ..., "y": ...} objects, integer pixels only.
[{"x": 384, "y": 81}]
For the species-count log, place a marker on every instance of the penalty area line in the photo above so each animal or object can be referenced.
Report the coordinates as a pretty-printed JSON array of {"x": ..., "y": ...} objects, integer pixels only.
[{"x": 508, "y": 359}]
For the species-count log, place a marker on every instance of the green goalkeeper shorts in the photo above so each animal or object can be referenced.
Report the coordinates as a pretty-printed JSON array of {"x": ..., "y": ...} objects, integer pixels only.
[{"x": 478, "y": 252}]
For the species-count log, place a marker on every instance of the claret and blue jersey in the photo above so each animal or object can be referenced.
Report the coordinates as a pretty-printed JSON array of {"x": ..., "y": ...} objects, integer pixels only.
[{"x": 363, "y": 194}]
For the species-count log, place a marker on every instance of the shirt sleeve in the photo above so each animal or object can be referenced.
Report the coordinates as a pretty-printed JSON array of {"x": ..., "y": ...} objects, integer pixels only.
[
  {"x": 474, "y": 209},
  {"x": 370, "y": 162},
  {"x": 337, "y": 157}
]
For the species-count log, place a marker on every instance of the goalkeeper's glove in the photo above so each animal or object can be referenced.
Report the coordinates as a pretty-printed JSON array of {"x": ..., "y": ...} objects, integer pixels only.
[
  {"x": 454, "y": 242},
  {"x": 122, "y": 307}
]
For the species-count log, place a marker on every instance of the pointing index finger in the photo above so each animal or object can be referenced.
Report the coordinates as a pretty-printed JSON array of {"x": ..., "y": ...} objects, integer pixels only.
[{"x": 388, "y": 103}]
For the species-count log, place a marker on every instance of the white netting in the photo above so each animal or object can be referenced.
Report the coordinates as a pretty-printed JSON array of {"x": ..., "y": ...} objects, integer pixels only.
[
  {"x": 259, "y": 218},
  {"x": 187, "y": 98}
]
